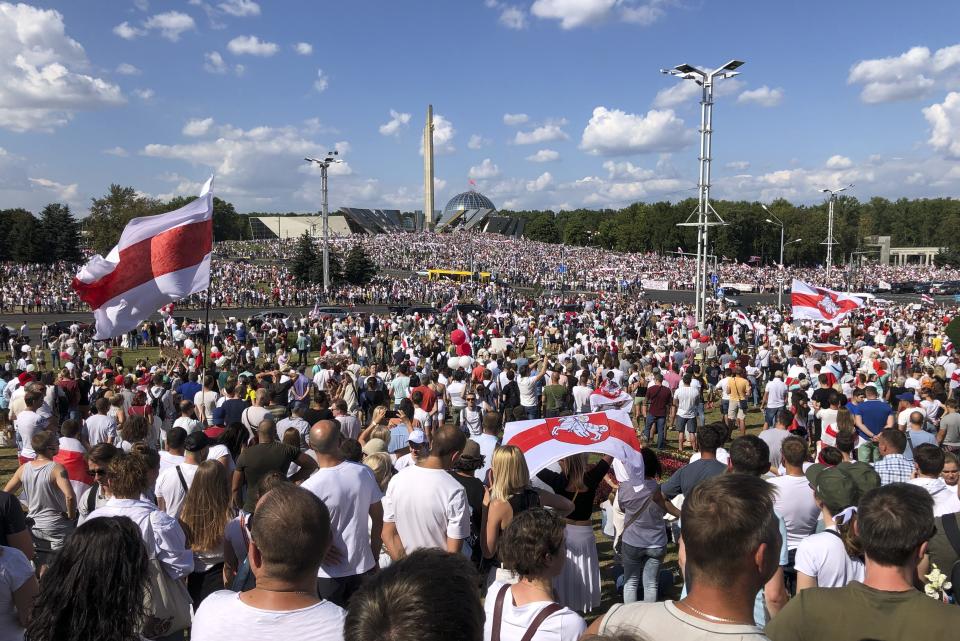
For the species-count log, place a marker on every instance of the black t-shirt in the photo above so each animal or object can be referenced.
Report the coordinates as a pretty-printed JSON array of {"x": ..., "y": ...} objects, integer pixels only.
[
  {"x": 280, "y": 392},
  {"x": 12, "y": 519},
  {"x": 311, "y": 416},
  {"x": 259, "y": 460},
  {"x": 582, "y": 501},
  {"x": 822, "y": 396},
  {"x": 474, "y": 490},
  {"x": 233, "y": 410}
]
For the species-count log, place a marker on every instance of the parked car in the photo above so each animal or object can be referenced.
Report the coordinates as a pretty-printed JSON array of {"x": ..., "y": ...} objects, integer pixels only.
[
  {"x": 332, "y": 313},
  {"x": 423, "y": 311},
  {"x": 949, "y": 287}
]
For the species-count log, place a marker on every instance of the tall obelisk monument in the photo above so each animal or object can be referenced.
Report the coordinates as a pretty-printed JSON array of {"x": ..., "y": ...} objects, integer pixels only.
[{"x": 428, "y": 170}]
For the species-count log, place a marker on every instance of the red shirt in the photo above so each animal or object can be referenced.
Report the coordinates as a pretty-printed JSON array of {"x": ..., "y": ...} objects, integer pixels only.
[
  {"x": 429, "y": 397},
  {"x": 659, "y": 397}
]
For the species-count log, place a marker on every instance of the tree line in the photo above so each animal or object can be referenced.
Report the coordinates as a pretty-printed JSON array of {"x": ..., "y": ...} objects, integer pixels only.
[{"x": 653, "y": 227}]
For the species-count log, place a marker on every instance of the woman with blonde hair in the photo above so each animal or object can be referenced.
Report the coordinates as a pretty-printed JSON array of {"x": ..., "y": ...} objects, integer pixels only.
[
  {"x": 511, "y": 494},
  {"x": 204, "y": 517},
  {"x": 382, "y": 466},
  {"x": 578, "y": 586}
]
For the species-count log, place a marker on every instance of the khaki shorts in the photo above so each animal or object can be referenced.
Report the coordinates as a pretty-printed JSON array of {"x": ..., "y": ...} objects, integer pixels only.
[{"x": 735, "y": 411}]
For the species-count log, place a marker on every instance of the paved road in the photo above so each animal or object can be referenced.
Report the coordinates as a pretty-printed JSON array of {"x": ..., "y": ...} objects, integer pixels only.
[{"x": 663, "y": 296}]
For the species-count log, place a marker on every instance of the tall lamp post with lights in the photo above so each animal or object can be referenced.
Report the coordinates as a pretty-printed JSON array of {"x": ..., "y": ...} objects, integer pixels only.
[
  {"x": 829, "y": 241},
  {"x": 705, "y": 214},
  {"x": 329, "y": 159},
  {"x": 777, "y": 221}
]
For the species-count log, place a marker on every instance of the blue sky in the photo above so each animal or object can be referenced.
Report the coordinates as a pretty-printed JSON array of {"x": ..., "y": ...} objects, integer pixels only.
[{"x": 544, "y": 103}]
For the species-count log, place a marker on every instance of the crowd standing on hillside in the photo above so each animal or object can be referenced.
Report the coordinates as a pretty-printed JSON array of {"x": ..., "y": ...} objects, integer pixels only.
[{"x": 314, "y": 477}]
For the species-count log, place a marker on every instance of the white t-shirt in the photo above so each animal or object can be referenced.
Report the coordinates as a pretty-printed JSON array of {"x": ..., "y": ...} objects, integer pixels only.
[
  {"x": 15, "y": 570},
  {"x": 562, "y": 625},
  {"x": 168, "y": 460},
  {"x": 776, "y": 391},
  {"x": 427, "y": 506},
  {"x": 222, "y": 615},
  {"x": 455, "y": 391},
  {"x": 581, "y": 398},
  {"x": 191, "y": 425},
  {"x": 527, "y": 387},
  {"x": 29, "y": 423},
  {"x": 100, "y": 427},
  {"x": 219, "y": 451},
  {"x": 823, "y": 557},
  {"x": 348, "y": 490},
  {"x": 794, "y": 502},
  {"x": 206, "y": 401},
  {"x": 171, "y": 490},
  {"x": 687, "y": 397}
]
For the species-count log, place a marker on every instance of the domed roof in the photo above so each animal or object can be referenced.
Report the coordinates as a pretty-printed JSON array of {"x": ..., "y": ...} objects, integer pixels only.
[{"x": 467, "y": 200}]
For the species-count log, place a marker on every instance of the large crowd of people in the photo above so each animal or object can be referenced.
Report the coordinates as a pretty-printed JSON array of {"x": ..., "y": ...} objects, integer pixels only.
[
  {"x": 250, "y": 274},
  {"x": 320, "y": 477}
]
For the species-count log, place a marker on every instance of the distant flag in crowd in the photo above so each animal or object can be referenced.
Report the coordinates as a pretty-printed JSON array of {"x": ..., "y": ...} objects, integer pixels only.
[
  {"x": 167, "y": 309},
  {"x": 546, "y": 440},
  {"x": 404, "y": 344},
  {"x": 743, "y": 319},
  {"x": 158, "y": 260},
  {"x": 819, "y": 303},
  {"x": 754, "y": 259},
  {"x": 829, "y": 348},
  {"x": 463, "y": 327},
  {"x": 926, "y": 299},
  {"x": 449, "y": 306},
  {"x": 315, "y": 312}
]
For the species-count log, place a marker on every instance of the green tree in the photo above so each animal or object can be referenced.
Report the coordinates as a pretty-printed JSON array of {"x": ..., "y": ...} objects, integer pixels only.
[
  {"x": 18, "y": 237},
  {"x": 307, "y": 266},
  {"x": 358, "y": 269},
  {"x": 111, "y": 213},
  {"x": 227, "y": 223},
  {"x": 543, "y": 228},
  {"x": 60, "y": 234}
]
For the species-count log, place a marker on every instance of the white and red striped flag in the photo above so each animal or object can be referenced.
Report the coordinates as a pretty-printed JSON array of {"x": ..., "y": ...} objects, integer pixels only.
[
  {"x": 926, "y": 299},
  {"x": 158, "y": 260},
  {"x": 743, "y": 319},
  {"x": 547, "y": 440},
  {"x": 819, "y": 303},
  {"x": 829, "y": 348},
  {"x": 464, "y": 327}
]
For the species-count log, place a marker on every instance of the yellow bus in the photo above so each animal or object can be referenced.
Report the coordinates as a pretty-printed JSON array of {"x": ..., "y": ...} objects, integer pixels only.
[{"x": 457, "y": 275}]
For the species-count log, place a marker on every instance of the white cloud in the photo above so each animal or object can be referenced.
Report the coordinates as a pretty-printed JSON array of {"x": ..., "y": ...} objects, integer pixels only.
[
  {"x": 486, "y": 169},
  {"x": 197, "y": 127},
  {"x": 573, "y": 13},
  {"x": 303, "y": 48},
  {"x": 644, "y": 15},
  {"x": 763, "y": 96},
  {"x": 171, "y": 24},
  {"x": 739, "y": 165},
  {"x": 322, "y": 81},
  {"x": 515, "y": 119},
  {"x": 541, "y": 182},
  {"x": 544, "y": 155},
  {"x": 144, "y": 94},
  {"x": 395, "y": 124},
  {"x": 238, "y": 70},
  {"x": 613, "y": 132},
  {"x": 439, "y": 184},
  {"x": 125, "y": 31},
  {"x": 688, "y": 92},
  {"x": 127, "y": 69},
  {"x": 513, "y": 18},
  {"x": 912, "y": 74},
  {"x": 544, "y": 133},
  {"x": 252, "y": 46},
  {"x": 40, "y": 88},
  {"x": 240, "y": 8},
  {"x": 142, "y": 5},
  {"x": 117, "y": 151},
  {"x": 944, "y": 119},
  {"x": 63, "y": 192},
  {"x": 443, "y": 133},
  {"x": 478, "y": 142},
  {"x": 342, "y": 147},
  {"x": 214, "y": 63},
  {"x": 839, "y": 162}
]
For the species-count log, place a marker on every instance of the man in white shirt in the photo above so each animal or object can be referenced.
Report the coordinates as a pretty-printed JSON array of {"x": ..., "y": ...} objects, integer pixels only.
[
  {"x": 296, "y": 421},
  {"x": 774, "y": 399},
  {"x": 101, "y": 428},
  {"x": 173, "y": 455},
  {"x": 205, "y": 400},
  {"x": 174, "y": 483},
  {"x": 685, "y": 402},
  {"x": 349, "y": 425},
  {"x": 188, "y": 420},
  {"x": 351, "y": 494},
  {"x": 28, "y": 423},
  {"x": 794, "y": 501},
  {"x": 426, "y": 507},
  {"x": 527, "y": 382},
  {"x": 288, "y": 541},
  {"x": 929, "y": 462}
]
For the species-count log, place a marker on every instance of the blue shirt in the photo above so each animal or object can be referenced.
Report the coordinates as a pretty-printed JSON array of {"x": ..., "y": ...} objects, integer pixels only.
[
  {"x": 874, "y": 414},
  {"x": 188, "y": 390},
  {"x": 399, "y": 438},
  {"x": 915, "y": 438}
]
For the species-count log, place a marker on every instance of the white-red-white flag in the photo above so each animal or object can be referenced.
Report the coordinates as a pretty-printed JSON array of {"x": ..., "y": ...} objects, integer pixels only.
[
  {"x": 464, "y": 327},
  {"x": 743, "y": 319},
  {"x": 819, "y": 303},
  {"x": 547, "y": 440},
  {"x": 158, "y": 260},
  {"x": 829, "y": 348}
]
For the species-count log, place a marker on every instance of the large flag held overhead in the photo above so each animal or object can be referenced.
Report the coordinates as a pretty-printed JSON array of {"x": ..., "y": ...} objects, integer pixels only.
[
  {"x": 158, "y": 260},
  {"x": 547, "y": 440},
  {"x": 819, "y": 303}
]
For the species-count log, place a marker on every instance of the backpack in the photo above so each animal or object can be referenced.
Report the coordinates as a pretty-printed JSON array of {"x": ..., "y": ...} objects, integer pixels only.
[
  {"x": 952, "y": 530},
  {"x": 156, "y": 402}
]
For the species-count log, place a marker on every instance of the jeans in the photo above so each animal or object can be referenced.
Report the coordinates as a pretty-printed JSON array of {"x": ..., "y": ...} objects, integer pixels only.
[
  {"x": 641, "y": 563},
  {"x": 661, "y": 431},
  {"x": 770, "y": 415},
  {"x": 688, "y": 425},
  {"x": 533, "y": 413}
]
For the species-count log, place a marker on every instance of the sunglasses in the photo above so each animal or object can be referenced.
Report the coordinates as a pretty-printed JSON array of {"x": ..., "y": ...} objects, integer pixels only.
[{"x": 97, "y": 472}]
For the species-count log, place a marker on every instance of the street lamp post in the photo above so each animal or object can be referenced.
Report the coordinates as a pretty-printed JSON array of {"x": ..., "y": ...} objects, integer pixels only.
[
  {"x": 330, "y": 159},
  {"x": 829, "y": 241},
  {"x": 790, "y": 242},
  {"x": 778, "y": 222},
  {"x": 705, "y": 214}
]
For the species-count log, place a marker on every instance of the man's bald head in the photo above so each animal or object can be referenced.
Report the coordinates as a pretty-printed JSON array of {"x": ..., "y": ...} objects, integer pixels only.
[
  {"x": 325, "y": 437},
  {"x": 267, "y": 430}
]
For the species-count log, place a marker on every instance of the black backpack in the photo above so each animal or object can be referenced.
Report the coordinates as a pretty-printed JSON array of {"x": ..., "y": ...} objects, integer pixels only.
[
  {"x": 156, "y": 402},
  {"x": 952, "y": 530}
]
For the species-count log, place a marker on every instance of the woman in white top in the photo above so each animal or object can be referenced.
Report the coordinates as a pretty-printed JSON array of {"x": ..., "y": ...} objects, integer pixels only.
[
  {"x": 18, "y": 589},
  {"x": 533, "y": 548},
  {"x": 204, "y": 516},
  {"x": 832, "y": 558}
]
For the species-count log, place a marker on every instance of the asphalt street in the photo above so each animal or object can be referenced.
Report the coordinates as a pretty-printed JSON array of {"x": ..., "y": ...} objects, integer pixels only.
[{"x": 662, "y": 296}]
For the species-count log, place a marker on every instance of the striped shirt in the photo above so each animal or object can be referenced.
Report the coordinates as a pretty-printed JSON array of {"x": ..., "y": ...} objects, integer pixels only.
[{"x": 893, "y": 468}]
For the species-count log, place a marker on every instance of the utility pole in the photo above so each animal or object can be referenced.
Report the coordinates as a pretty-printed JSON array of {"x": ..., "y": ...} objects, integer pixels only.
[
  {"x": 330, "y": 159},
  {"x": 706, "y": 216},
  {"x": 829, "y": 241}
]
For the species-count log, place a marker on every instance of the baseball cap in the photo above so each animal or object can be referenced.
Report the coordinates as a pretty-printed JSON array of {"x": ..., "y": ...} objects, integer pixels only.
[
  {"x": 219, "y": 416},
  {"x": 417, "y": 437},
  {"x": 25, "y": 378},
  {"x": 906, "y": 397},
  {"x": 834, "y": 486},
  {"x": 196, "y": 442},
  {"x": 374, "y": 446}
]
